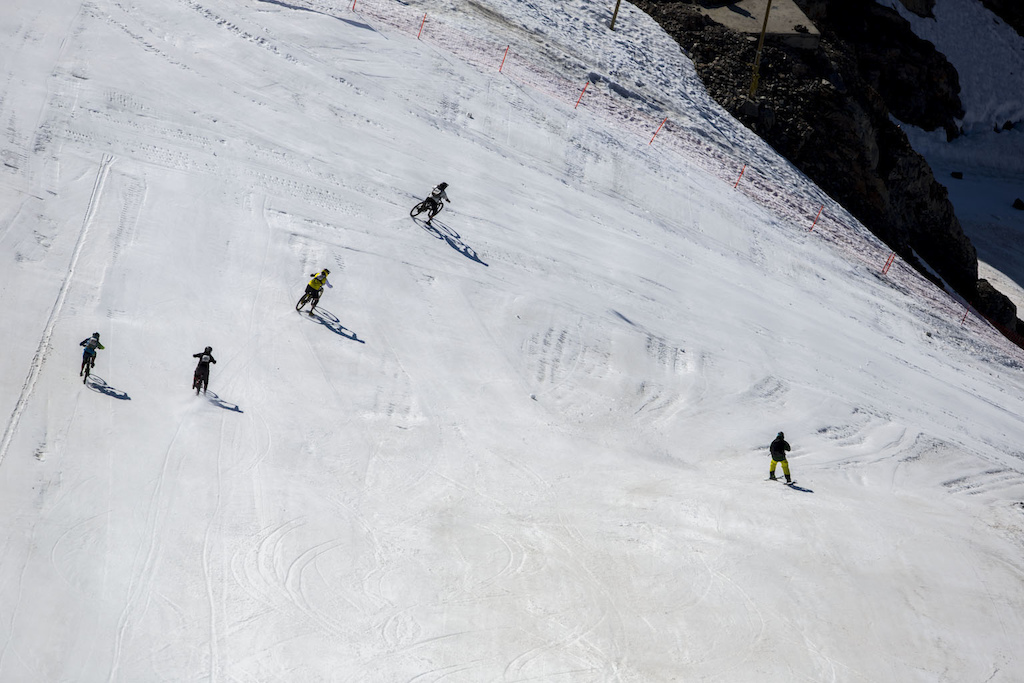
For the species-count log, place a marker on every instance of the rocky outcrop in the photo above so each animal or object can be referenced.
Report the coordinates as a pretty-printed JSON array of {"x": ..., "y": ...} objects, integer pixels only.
[
  {"x": 917, "y": 84},
  {"x": 828, "y": 111},
  {"x": 922, "y": 8},
  {"x": 999, "y": 307},
  {"x": 1010, "y": 11}
]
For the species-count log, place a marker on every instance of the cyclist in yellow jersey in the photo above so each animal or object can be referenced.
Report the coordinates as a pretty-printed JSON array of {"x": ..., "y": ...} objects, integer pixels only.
[{"x": 316, "y": 287}]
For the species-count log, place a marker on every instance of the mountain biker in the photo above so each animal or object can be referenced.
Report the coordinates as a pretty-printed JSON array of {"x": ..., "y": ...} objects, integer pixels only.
[
  {"x": 437, "y": 195},
  {"x": 201, "y": 377},
  {"x": 91, "y": 344},
  {"x": 778, "y": 450},
  {"x": 316, "y": 287}
]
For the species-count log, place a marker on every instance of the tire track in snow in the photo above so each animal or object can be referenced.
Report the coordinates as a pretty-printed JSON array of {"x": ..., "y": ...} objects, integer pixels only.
[
  {"x": 44, "y": 342},
  {"x": 135, "y": 588}
]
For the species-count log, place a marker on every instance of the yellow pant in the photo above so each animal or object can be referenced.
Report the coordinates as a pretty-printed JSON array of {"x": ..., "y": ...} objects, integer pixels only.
[{"x": 785, "y": 466}]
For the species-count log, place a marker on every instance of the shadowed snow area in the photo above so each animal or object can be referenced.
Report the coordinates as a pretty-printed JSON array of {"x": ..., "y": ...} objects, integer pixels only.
[{"x": 526, "y": 442}]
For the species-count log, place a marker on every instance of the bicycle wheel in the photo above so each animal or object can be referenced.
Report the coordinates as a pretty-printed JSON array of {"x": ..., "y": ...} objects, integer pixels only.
[
  {"x": 418, "y": 209},
  {"x": 303, "y": 300}
]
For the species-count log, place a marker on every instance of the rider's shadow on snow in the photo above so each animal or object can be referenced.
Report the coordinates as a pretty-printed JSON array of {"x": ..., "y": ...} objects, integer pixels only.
[
  {"x": 331, "y": 322},
  {"x": 99, "y": 385},
  {"x": 454, "y": 240},
  {"x": 221, "y": 403},
  {"x": 800, "y": 488}
]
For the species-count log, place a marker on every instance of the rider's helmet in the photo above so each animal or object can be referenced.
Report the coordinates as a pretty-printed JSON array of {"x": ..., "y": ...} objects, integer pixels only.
[
  {"x": 208, "y": 349},
  {"x": 325, "y": 272},
  {"x": 95, "y": 335},
  {"x": 443, "y": 186},
  {"x": 781, "y": 435}
]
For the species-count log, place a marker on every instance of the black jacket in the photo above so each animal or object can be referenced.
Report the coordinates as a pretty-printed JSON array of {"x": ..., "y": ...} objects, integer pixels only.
[
  {"x": 204, "y": 362},
  {"x": 779, "y": 448}
]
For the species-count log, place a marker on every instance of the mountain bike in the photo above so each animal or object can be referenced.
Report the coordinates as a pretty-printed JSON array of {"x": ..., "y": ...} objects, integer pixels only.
[
  {"x": 86, "y": 368},
  {"x": 305, "y": 299},
  {"x": 428, "y": 205}
]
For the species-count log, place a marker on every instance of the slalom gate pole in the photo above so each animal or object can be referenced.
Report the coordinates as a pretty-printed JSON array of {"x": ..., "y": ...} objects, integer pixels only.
[
  {"x": 353, "y": 5},
  {"x": 888, "y": 263},
  {"x": 503, "y": 59},
  {"x": 421, "y": 26},
  {"x": 581, "y": 94},
  {"x": 817, "y": 217},
  {"x": 964, "y": 319},
  {"x": 741, "y": 175},
  {"x": 657, "y": 131}
]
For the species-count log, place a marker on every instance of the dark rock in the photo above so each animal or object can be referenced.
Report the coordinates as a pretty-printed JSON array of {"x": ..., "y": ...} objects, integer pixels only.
[
  {"x": 959, "y": 175},
  {"x": 1010, "y": 11},
  {"x": 917, "y": 83},
  {"x": 996, "y": 306},
  {"x": 922, "y": 8},
  {"x": 1018, "y": 203}
]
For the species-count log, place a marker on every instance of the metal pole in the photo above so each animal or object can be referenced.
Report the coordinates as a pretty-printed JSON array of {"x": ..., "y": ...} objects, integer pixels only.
[
  {"x": 757, "y": 59},
  {"x": 615, "y": 13}
]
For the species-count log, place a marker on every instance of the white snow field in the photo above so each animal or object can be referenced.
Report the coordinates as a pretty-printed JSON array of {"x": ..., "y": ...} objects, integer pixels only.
[{"x": 528, "y": 443}]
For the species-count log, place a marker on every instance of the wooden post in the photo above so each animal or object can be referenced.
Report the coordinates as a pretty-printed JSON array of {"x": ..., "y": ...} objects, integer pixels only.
[
  {"x": 757, "y": 58},
  {"x": 615, "y": 14}
]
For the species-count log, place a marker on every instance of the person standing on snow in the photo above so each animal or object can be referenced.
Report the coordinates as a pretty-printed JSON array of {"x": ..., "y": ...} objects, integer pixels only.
[
  {"x": 437, "y": 196},
  {"x": 778, "y": 450},
  {"x": 316, "y": 287},
  {"x": 91, "y": 344},
  {"x": 201, "y": 377}
]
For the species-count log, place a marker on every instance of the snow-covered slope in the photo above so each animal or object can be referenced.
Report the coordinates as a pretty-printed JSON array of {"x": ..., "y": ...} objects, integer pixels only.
[{"x": 528, "y": 443}]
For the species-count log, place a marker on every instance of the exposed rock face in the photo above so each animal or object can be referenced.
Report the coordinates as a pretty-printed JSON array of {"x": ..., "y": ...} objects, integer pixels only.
[
  {"x": 1010, "y": 11},
  {"x": 916, "y": 83},
  {"x": 922, "y": 8},
  {"x": 1000, "y": 308},
  {"x": 828, "y": 111}
]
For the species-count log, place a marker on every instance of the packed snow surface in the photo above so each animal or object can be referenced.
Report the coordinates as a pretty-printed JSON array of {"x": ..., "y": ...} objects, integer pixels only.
[{"x": 526, "y": 442}]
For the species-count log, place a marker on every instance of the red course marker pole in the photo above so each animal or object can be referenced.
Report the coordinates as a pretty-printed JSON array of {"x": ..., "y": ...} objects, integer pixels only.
[
  {"x": 353, "y": 5},
  {"x": 657, "y": 131},
  {"x": 503, "y": 59},
  {"x": 817, "y": 217},
  {"x": 892, "y": 257},
  {"x": 964, "y": 319},
  {"x": 581, "y": 94},
  {"x": 741, "y": 175},
  {"x": 421, "y": 26}
]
